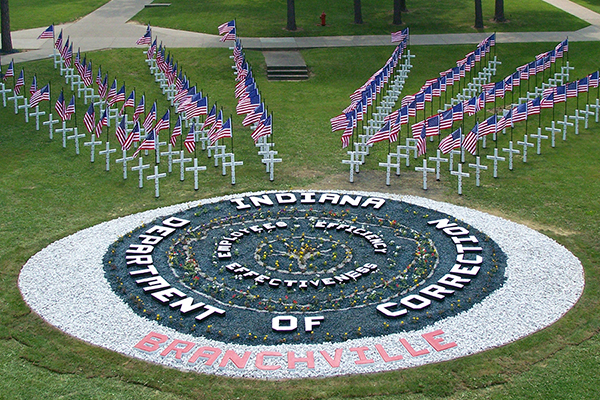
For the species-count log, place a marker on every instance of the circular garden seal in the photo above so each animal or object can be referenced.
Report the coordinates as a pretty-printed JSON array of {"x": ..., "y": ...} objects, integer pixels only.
[{"x": 300, "y": 283}]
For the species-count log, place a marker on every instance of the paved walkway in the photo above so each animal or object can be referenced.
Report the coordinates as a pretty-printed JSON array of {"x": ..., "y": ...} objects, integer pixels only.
[{"x": 107, "y": 27}]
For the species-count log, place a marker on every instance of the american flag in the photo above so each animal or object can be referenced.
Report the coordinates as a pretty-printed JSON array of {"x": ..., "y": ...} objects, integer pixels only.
[
  {"x": 112, "y": 91},
  {"x": 264, "y": 128},
  {"x": 533, "y": 106},
  {"x": 19, "y": 83},
  {"x": 102, "y": 122},
  {"x": 508, "y": 83},
  {"x": 147, "y": 144},
  {"x": 420, "y": 100},
  {"x": 77, "y": 62},
  {"x": 228, "y": 36},
  {"x": 121, "y": 133},
  {"x": 103, "y": 87},
  {"x": 151, "y": 50},
  {"x": 226, "y": 27},
  {"x": 118, "y": 97},
  {"x": 432, "y": 125},
  {"x": 70, "y": 110},
  {"x": 163, "y": 123},
  {"x": 382, "y": 134},
  {"x": 99, "y": 77},
  {"x": 254, "y": 116},
  {"x": 490, "y": 96},
  {"x": 400, "y": 36},
  {"x": 505, "y": 121},
  {"x": 500, "y": 89},
  {"x": 68, "y": 55},
  {"x": 594, "y": 79},
  {"x": 347, "y": 134},
  {"x": 60, "y": 106},
  {"x": 87, "y": 75},
  {"x": 224, "y": 132},
  {"x": 572, "y": 89},
  {"x": 130, "y": 102},
  {"x": 451, "y": 142},
  {"x": 560, "y": 94},
  {"x": 488, "y": 126},
  {"x": 40, "y": 95},
  {"x": 190, "y": 140},
  {"x": 446, "y": 119},
  {"x": 215, "y": 127},
  {"x": 458, "y": 112},
  {"x": 10, "y": 72},
  {"x": 48, "y": 33},
  {"x": 134, "y": 136},
  {"x": 469, "y": 105},
  {"x": 89, "y": 118},
  {"x": 65, "y": 49},
  {"x": 548, "y": 99},
  {"x": 58, "y": 42},
  {"x": 394, "y": 128},
  {"x": 248, "y": 104},
  {"x": 516, "y": 79},
  {"x": 197, "y": 108},
  {"x": 416, "y": 128},
  {"x": 140, "y": 109},
  {"x": 211, "y": 117},
  {"x": 470, "y": 143},
  {"x": 146, "y": 38},
  {"x": 421, "y": 142},
  {"x": 583, "y": 85},
  {"x": 520, "y": 113},
  {"x": 176, "y": 131}
]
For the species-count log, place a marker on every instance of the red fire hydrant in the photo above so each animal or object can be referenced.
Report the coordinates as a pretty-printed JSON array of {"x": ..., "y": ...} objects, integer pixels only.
[{"x": 323, "y": 19}]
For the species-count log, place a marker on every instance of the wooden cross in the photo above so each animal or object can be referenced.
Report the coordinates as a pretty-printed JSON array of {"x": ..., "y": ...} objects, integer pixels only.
[
  {"x": 525, "y": 145},
  {"x": 460, "y": 175},
  {"x": 478, "y": 167},
  {"x": 75, "y": 136},
  {"x": 496, "y": 158},
  {"x": 140, "y": 168},
  {"x": 539, "y": 138},
  {"x": 37, "y": 113},
  {"x": 438, "y": 159},
  {"x": 388, "y": 165},
  {"x": 352, "y": 162},
  {"x": 270, "y": 162},
  {"x": 92, "y": 143},
  {"x": 576, "y": 118},
  {"x": 232, "y": 163},
  {"x": 124, "y": 160},
  {"x": 50, "y": 124},
  {"x": 64, "y": 131},
  {"x": 4, "y": 90},
  {"x": 181, "y": 161},
  {"x": 170, "y": 153},
  {"x": 425, "y": 170},
  {"x": 156, "y": 178},
  {"x": 510, "y": 152},
  {"x": 195, "y": 169},
  {"x": 553, "y": 130},
  {"x": 107, "y": 152}
]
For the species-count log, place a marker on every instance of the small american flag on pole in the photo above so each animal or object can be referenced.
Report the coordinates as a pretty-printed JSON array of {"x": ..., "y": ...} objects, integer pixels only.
[{"x": 48, "y": 33}]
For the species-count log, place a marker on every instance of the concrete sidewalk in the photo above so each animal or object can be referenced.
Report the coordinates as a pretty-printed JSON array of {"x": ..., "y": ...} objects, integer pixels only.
[{"x": 108, "y": 27}]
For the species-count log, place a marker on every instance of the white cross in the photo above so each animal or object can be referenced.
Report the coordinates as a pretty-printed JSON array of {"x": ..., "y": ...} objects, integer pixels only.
[
  {"x": 451, "y": 162},
  {"x": 201, "y": 136},
  {"x": 92, "y": 143},
  {"x": 124, "y": 160},
  {"x": 564, "y": 71},
  {"x": 539, "y": 138},
  {"x": 37, "y": 114},
  {"x": 232, "y": 163},
  {"x": 112, "y": 113},
  {"x": 64, "y": 131},
  {"x": 493, "y": 63},
  {"x": 510, "y": 152},
  {"x": 496, "y": 158},
  {"x": 525, "y": 145},
  {"x": 56, "y": 57},
  {"x": 25, "y": 107},
  {"x": 69, "y": 73},
  {"x": 64, "y": 70},
  {"x": 586, "y": 113},
  {"x": 156, "y": 178},
  {"x": 88, "y": 94},
  {"x": 195, "y": 169},
  {"x": 408, "y": 56},
  {"x": 75, "y": 136},
  {"x": 157, "y": 144},
  {"x": 75, "y": 80},
  {"x": 352, "y": 161},
  {"x": 460, "y": 175},
  {"x": 15, "y": 98},
  {"x": 80, "y": 88},
  {"x": 564, "y": 123},
  {"x": 4, "y": 90},
  {"x": 388, "y": 166},
  {"x": 108, "y": 151},
  {"x": 362, "y": 153},
  {"x": 181, "y": 161},
  {"x": 399, "y": 155},
  {"x": 170, "y": 153},
  {"x": 266, "y": 153},
  {"x": 270, "y": 162},
  {"x": 576, "y": 118},
  {"x": 438, "y": 159},
  {"x": 411, "y": 144},
  {"x": 553, "y": 130},
  {"x": 425, "y": 170},
  {"x": 50, "y": 124},
  {"x": 140, "y": 168},
  {"x": 596, "y": 107},
  {"x": 478, "y": 167},
  {"x": 219, "y": 152}
]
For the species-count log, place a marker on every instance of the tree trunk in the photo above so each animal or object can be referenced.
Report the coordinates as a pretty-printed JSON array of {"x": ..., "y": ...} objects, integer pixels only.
[
  {"x": 499, "y": 11},
  {"x": 291, "y": 15},
  {"x": 397, "y": 12},
  {"x": 403, "y": 6},
  {"x": 357, "y": 12},
  {"x": 478, "y": 15},
  {"x": 5, "y": 27}
]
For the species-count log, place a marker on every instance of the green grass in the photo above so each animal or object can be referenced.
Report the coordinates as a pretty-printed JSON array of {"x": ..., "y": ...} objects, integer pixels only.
[
  {"x": 593, "y": 5},
  {"x": 48, "y": 12},
  {"x": 47, "y": 192},
  {"x": 268, "y": 18}
]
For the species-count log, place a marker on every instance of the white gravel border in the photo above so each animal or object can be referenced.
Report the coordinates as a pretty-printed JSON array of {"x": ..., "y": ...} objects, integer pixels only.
[{"x": 65, "y": 284}]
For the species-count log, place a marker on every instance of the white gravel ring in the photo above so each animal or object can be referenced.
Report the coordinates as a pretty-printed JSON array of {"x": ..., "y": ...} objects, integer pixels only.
[{"x": 65, "y": 284}]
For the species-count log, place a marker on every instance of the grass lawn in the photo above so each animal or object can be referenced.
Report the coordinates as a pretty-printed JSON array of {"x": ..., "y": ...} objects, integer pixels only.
[
  {"x": 23, "y": 16},
  {"x": 47, "y": 192},
  {"x": 593, "y": 5},
  {"x": 268, "y": 18}
]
